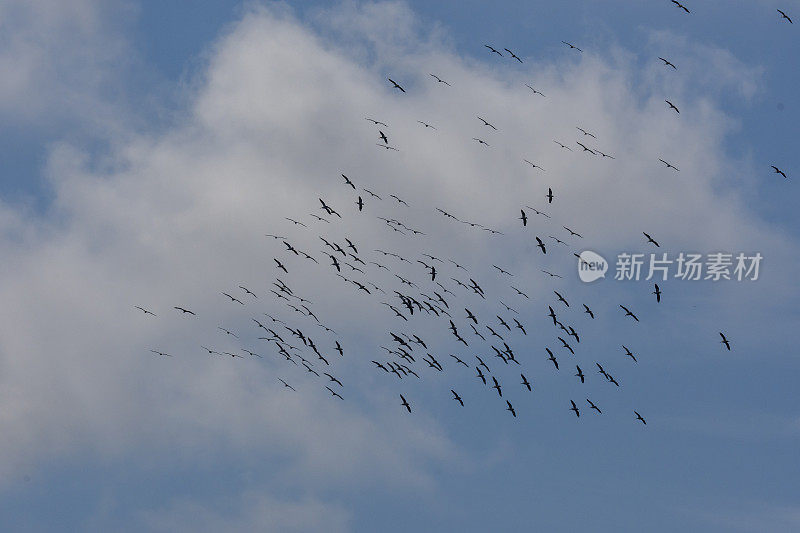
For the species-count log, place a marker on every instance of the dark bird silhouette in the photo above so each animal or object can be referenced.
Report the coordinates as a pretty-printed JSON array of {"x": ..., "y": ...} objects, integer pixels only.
[
  {"x": 457, "y": 398},
  {"x": 248, "y": 291},
  {"x": 629, "y": 353},
  {"x": 534, "y": 165},
  {"x": 725, "y": 341},
  {"x": 549, "y": 195},
  {"x": 785, "y": 16},
  {"x": 629, "y": 313},
  {"x": 668, "y": 63},
  {"x": 681, "y": 6},
  {"x": 639, "y": 417},
  {"x": 163, "y": 354},
  {"x": 232, "y": 298},
  {"x": 575, "y": 408},
  {"x": 512, "y": 54},
  {"x": 669, "y": 165},
  {"x": 580, "y": 375},
  {"x": 377, "y": 122},
  {"x": 593, "y": 406},
  {"x": 525, "y": 382},
  {"x": 334, "y": 393},
  {"x": 657, "y": 292},
  {"x": 405, "y": 403},
  {"x": 145, "y": 311},
  {"x": 360, "y": 203},
  {"x": 485, "y": 123},
  {"x": 511, "y": 409},
  {"x": 561, "y": 298},
  {"x": 573, "y": 233},
  {"x": 440, "y": 80},
  {"x": 672, "y": 106},
  {"x": 541, "y": 245},
  {"x": 492, "y": 50},
  {"x": 778, "y": 171},
  {"x": 552, "y": 358},
  {"x": 592, "y": 135},
  {"x": 426, "y": 125},
  {"x": 523, "y": 218},
  {"x": 286, "y": 385},
  {"x": 185, "y": 311},
  {"x": 395, "y": 85},
  {"x": 534, "y": 90},
  {"x": 572, "y": 46},
  {"x": 588, "y": 311},
  {"x": 480, "y": 375},
  {"x": 564, "y": 146},
  {"x": 383, "y": 137},
  {"x": 480, "y": 141},
  {"x": 650, "y": 239}
]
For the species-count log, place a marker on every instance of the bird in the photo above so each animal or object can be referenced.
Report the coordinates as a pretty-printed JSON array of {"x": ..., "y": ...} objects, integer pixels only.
[
  {"x": 426, "y": 125},
  {"x": 383, "y": 137},
  {"x": 573, "y": 233},
  {"x": 593, "y": 406},
  {"x": 549, "y": 195},
  {"x": 457, "y": 398},
  {"x": 629, "y": 353},
  {"x": 405, "y": 403},
  {"x": 563, "y": 146},
  {"x": 639, "y": 417},
  {"x": 377, "y": 122},
  {"x": 492, "y": 50},
  {"x": 585, "y": 148},
  {"x": 233, "y": 299},
  {"x": 541, "y": 245},
  {"x": 163, "y": 354},
  {"x": 588, "y": 311},
  {"x": 629, "y": 313},
  {"x": 552, "y": 358},
  {"x": 347, "y": 181},
  {"x": 681, "y": 6},
  {"x": 657, "y": 292},
  {"x": 580, "y": 375},
  {"x": 523, "y": 218},
  {"x": 534, "y": 90},
  {"x": 511, "y": 409},
  {"x": 561, "y": 298},
  {"x": 725, "y": 341},
  {"x": 534, "y": 165},
  {"x": 497, "y": 386},
  {"x": 669, "y": 165},
  {"x": 572, "y": 46},
  {"x": 668, "y": 63},
  {"x": 575, "y": 408},
  {"x": 145, "y": 311},
  {"x": 512, "y": 54},
  {"x": 480, "y": 141},
  {"x": 286, "y": 385},
  {"x": 395, "y": 85},
  {"x": 525, "y": 382},
  {"x": 785, "y": 16},
  {"x": 360, "y": 203},
  {"x": 650, "y": 239},
  {"x": 185, "y": 311},
  {"x": 334, "y": 393},
  {"x": 248, "y": 291},
  {"x": 778, "y": 171},
  {"x": 592, "y": 135},
  {"x": 672, "y": 106},
  {"x": 485, "y": 123},
  {"x": 440, "y": 80}
]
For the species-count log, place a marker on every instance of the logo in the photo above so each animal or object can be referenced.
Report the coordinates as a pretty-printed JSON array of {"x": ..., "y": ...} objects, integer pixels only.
[{"x": 591, "y": 266}]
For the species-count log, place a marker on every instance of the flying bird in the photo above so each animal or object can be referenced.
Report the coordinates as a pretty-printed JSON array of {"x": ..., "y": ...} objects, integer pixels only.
[
  {"x": 492, "y": 50},
  {"x": 681, "y": 6},
  {"x": 512, "y": 54},
  {"x": 785, "y": 16},
  {"x": 725, "y": 341},
  {"x": 185, "y": 311},
  {"x": 628, "y": 313},
  {"x": 657, "y": 292},
  {"x": 778, "y": 171},
  {"x": 440, "y": 80},
  {"x": 572, "y": 46},
  {"x": 575, "y": 408},
  {"x": 668, "y": 63},
  {"x": 457, "y": 398},
  {"x": 511, "y": 409},
  {"x": 525, "y": 382},
  {"x": 395, "y": 85},
  {"x": 145, "y": 311},
  {"x": 639, "y": 417},
  {"x": 650, "y": 239},
  {"x": 405, "y": 403},
  {"x": 669, "y": 165},
  {"x": 672, "y": 106}
]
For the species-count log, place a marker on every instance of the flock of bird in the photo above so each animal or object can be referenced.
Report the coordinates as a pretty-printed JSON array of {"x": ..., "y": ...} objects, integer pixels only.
[{"x": 472, "y": 331}]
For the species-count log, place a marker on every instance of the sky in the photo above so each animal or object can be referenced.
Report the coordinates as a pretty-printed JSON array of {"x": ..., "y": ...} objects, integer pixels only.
[{"x": 149, "y": 147}]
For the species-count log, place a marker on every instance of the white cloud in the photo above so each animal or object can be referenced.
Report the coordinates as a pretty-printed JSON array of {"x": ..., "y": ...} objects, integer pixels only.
[{"x": 176, "y": 218}]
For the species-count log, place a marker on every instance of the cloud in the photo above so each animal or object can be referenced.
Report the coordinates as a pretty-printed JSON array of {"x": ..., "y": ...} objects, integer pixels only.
[{"x": 176, "y": 217}]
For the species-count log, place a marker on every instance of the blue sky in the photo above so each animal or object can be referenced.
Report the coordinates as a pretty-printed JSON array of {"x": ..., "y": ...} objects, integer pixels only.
[{"x": 149, "y": 147}]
